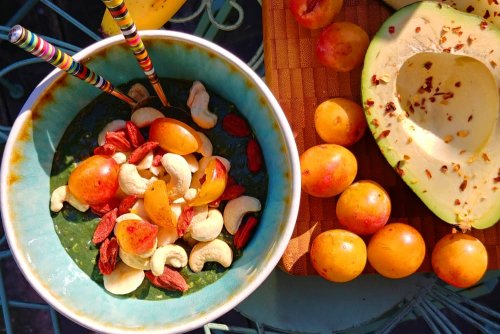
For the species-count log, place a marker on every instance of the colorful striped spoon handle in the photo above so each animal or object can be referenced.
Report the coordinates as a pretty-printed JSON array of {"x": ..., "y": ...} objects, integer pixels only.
[
  {"x": 40, "y": 48},
  {"x": 120, "y": 14}
]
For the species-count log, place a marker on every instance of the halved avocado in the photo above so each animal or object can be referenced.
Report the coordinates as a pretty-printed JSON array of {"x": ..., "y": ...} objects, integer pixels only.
[
  {"x": 487, "y": 9},
  {"x": 430, "y": 88}
]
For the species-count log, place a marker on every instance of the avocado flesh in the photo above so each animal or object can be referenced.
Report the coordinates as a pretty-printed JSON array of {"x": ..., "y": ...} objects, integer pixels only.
[
  {"x": 430, "y": 88},
  {"x": 489, "y": 10}
]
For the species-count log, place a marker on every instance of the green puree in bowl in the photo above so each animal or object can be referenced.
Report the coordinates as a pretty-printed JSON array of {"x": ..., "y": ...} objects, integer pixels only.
[{"x": 75, "y": 229}]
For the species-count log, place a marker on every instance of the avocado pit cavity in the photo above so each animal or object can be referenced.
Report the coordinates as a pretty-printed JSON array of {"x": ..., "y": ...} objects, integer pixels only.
[{"x": 451, "y": 103}]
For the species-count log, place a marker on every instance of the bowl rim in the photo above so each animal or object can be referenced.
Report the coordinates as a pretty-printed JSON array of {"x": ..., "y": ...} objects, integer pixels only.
[{"x": 281, "y": 245}]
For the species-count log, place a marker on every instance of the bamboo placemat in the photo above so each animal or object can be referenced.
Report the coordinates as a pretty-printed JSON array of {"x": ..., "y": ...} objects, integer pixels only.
[{"x": 300, "y": 83}]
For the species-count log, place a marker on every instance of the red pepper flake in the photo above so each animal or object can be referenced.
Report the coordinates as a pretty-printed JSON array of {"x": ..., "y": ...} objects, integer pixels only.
[
  {"x": 469, "y": 9},
  {"x": 392, "y": 29},
  {"x": 457, "y": 201},
  {"x": 447, "y": 50},
  {"x": 428, "y": 173},
  {"x": 463, "y": 185},
  {"x": 485, "y": 157},
  {"x": 448, "y": 95},
  {"x": 470, "y": 39},
  {"x": 417, "y": 30},
  {"x": 457, "y": 30},
  {"x": 432, "y": 99},
  {"x": 427, "y": 86},
  {"x": 399, "y": 167},
  {"x": 412, "y": 110},
  {"x": 428, "y": 65},
  {"x": 459, "y": 46},
  {"x": 443, "y": 169},
  {"x": 375, "y": 81},
  {"x": 483, "y": 25},
  {"x": 389, "y": 107},
  {"x": 384, "y": 134},
  {"x": 448, "y": 138},
  {"x": 486, "y": 15},
  {"x": 458, "y": 84},
  {"x": 496, "y": 179},
  {"x": 442, "y": 40},
  {"x": 370, "y": 102}
]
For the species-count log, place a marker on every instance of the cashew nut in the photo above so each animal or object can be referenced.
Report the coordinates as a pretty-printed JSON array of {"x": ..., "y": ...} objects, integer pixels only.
[
  {"x": 143, "y": 117},
  {"x": 115, "y": 125},
  {"x": 146, "y": 162},
  {"x": 200, "y": 213},
  {"x": 157, "y": 170},
  {"x": 196, "y": 88},
  {"x": 211, "y": 251},
  {"x": 203, "y": 163},
  {"x": 209, "y": 228},
  {"x": 206, "y": 148},
  {"x": 235, "y": 210},
  {"x": 139, "y": 210},
  {"x": 180, "y": 174},
  {"x": 176, "y": 209},
  {"x": 138, "y": 92},
  {"x": 192, "y": 161},
  {"x": 61, "y": 195},
  {"x": 134, "y": 261},
  {"x": 120, "y": 158},
  {"x": 171, "y": 255},
  {"x": 198, "y": 102},
  {"x": 131, "y": 182},
  {"x": 190, "y": 194}
]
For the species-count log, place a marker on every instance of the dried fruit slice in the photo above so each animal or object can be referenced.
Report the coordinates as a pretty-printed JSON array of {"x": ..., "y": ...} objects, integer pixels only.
[{"x": 430, "y": 89}]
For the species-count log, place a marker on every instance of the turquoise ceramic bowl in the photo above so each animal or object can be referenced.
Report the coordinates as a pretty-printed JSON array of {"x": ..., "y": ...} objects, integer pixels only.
[{"x": 25, "y": 192}]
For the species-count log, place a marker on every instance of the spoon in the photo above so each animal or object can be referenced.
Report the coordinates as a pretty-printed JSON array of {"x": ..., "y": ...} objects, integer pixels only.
[{"x": 40, "y": 48}]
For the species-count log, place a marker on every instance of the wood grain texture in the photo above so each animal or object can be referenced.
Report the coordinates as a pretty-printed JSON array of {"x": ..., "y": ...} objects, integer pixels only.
[{"x": 300, "y": 83}]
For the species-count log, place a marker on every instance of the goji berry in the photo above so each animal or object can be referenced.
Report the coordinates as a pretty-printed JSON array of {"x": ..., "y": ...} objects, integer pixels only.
[
  {"x": 184, "y": 220},
  {"x": 158, "y": 155},
  {"x": 235, "y": 125},
  {"x": 134, "y": 134},
  {"x": 254, "y": 156},
  {"x": 104, "y": 227},
  {"x": 105, "y": 149},
  {"x": 170, "y": 279},
  {"x": 244, "y": 233},
  {"x": 126, "y": 204},
  {"x": 119, "y": 140},
  {"x": 108, "y": 256},
  {"x": 139, "y": 153}
]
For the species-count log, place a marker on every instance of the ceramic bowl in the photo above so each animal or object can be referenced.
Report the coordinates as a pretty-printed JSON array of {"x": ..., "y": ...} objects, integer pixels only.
[{"x": 25, "y": 189}]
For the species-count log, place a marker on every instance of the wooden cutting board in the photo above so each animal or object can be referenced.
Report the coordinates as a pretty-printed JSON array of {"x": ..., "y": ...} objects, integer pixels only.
[{"x": 300, "y": 83}]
